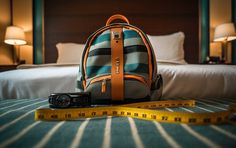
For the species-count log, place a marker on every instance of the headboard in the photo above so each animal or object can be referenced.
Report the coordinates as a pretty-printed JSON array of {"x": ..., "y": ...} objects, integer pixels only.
[{"x": 75, "y": 20}]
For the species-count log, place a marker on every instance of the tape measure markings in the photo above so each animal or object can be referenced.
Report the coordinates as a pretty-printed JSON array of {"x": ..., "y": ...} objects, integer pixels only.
[{"x": 140, "y": 111}]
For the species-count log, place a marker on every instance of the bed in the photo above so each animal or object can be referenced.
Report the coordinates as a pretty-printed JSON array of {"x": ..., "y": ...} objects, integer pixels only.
[
  {"x": 31, "y": 84},
  {"x": 26, "y": 89},
  {"x": 39, "y": 81},
  {"x": 180, "y": 79}
]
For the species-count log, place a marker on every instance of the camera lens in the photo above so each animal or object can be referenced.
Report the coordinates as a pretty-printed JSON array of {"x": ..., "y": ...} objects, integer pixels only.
[{"x": 63, "y": 101}]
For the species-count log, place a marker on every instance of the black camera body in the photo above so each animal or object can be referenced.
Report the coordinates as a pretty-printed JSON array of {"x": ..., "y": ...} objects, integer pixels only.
[{"x": 66, "y": 100}]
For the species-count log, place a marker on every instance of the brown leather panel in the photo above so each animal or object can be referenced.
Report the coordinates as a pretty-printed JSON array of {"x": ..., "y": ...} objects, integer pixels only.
[{"x": 117, "y": 62}]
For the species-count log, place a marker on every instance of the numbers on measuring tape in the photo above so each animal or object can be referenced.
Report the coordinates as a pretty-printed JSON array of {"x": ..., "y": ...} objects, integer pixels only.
[
  {"x": 54, "y": 116},
  {"x": 41, "y": 117},
  {"x": 164, "y": 118},
  {"x": 153, "y": 106},
  {"x": 177, "y": 119},
  {"x": 67, "y": 116},
  {"x": 104, "y": 113},
  {"x": 144, "y": 115},
  {"x": 153, "y": 116},
  {"x": 114, "y": 113},
  {"x": 81, "y": 114},
  {"x": 192, "y": 120},
  {"x": 136, "y": 114},
  {"x": 207, "y": 120},
  {"x": 93, "y": 113},
  {"x": 128, "y": 113}
]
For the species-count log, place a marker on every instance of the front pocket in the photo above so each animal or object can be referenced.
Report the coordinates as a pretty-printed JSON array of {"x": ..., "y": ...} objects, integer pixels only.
[
  {"x": 103, "y": 80},
  {"x": 135, "y": 87}
]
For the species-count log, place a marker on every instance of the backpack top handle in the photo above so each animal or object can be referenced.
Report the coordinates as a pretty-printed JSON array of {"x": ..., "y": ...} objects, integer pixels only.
[{"x": 117, "y": 17}]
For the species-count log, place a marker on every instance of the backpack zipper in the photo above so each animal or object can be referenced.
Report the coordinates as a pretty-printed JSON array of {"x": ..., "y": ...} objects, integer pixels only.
[
  {"x": 104, "y": 83},
  {"x": 108, "y": 77}
]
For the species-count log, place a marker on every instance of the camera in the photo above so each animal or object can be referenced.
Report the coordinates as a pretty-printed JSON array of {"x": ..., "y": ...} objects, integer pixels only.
[{"x": 66, "y": 100}]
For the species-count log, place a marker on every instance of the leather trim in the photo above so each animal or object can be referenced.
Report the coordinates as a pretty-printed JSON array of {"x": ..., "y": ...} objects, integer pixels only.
[
  {"x": 116, "y": 17},
  {"x": 117, "y": 62}
]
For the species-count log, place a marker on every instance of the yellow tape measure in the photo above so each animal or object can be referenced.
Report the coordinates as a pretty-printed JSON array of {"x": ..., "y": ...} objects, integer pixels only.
[{"x": 142, "y": 110}]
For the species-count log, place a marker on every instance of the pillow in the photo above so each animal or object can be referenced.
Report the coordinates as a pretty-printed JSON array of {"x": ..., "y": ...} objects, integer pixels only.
[
  {"x": 169, "y": 48},
  {"x": 69, "y": 53}
]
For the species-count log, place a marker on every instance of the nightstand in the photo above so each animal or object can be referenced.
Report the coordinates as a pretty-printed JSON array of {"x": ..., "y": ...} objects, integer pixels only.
[{"x": 8, "y": 67}]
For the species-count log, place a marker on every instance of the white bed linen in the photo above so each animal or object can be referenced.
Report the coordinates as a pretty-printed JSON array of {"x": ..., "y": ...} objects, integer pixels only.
[
  {"x": 37, "y": 81},
  {"x": 198, "y": 81},
  {"x": 180, "y": 81}
]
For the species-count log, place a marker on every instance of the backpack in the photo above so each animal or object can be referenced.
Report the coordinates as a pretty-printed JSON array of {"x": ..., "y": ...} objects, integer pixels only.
[{"x": 118, "y": 65}]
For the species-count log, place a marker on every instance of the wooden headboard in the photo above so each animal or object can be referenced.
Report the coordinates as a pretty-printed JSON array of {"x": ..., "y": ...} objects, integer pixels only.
[{"x": 75, "y": 20}]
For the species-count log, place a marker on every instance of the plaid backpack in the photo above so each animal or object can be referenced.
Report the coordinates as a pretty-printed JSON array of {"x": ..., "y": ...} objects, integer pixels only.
[{"x": 118, "y": 65}]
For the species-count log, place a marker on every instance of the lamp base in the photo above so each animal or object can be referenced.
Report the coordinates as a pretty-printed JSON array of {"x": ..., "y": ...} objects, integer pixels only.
[
  {"x": 22, "y": 62},
  {"x": 224, "y": 52},
  {"x": 17, "y": 59}
]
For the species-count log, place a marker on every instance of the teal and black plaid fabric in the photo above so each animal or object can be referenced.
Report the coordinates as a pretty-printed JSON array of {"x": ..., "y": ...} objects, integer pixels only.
[
  {"x": 135, "y": 55},
  {"x": 18, "y": 129}
]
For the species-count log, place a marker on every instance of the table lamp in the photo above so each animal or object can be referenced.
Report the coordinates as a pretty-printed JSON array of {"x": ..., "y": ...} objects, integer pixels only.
[
  {"x": 224, "y": 33},
  {"x": 15, "y": 36}
]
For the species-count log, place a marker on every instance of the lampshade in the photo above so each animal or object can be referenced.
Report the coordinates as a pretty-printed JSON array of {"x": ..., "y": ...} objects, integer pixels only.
[
  {"x": 225, "y": 32},
  {"x": 15, "y": 36}
]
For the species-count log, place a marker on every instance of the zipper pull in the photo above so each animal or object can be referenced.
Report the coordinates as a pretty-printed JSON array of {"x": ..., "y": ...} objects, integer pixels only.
[{"x": 104, "y": 85}]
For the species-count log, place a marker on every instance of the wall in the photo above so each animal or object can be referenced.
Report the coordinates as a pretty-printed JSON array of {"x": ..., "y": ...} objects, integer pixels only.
[
  {"x": 23, "y": 17},
  {"x": 220, "y": 12},
  {"x": 5, "y": 20},
  {"x": 74, "y": 21}
]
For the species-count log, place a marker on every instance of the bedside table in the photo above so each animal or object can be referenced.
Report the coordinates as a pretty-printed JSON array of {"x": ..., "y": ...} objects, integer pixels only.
[{"x": 8, "y": 67}]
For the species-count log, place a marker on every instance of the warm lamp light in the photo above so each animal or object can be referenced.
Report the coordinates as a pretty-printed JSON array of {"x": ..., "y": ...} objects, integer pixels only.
[
  {"x": 224, "y": 33},
  {"x": 15, "y": 36}
]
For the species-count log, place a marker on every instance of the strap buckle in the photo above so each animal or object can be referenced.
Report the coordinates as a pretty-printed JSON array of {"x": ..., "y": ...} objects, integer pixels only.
[{"x": 116, "y": 35}]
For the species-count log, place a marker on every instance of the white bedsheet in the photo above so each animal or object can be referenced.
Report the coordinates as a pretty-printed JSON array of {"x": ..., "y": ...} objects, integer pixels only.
[
  {"x": 37, "y": 82},
  {"x": 199, "y": 81},
  {"x": 180, "y": 81}
]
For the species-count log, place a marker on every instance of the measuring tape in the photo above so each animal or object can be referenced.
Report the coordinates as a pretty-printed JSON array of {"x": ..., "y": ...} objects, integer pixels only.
[{"x": 143, "y": 110}]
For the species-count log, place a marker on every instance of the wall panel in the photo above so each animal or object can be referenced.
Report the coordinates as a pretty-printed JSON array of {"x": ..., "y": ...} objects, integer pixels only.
[{"x": 75, "y": 20}]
